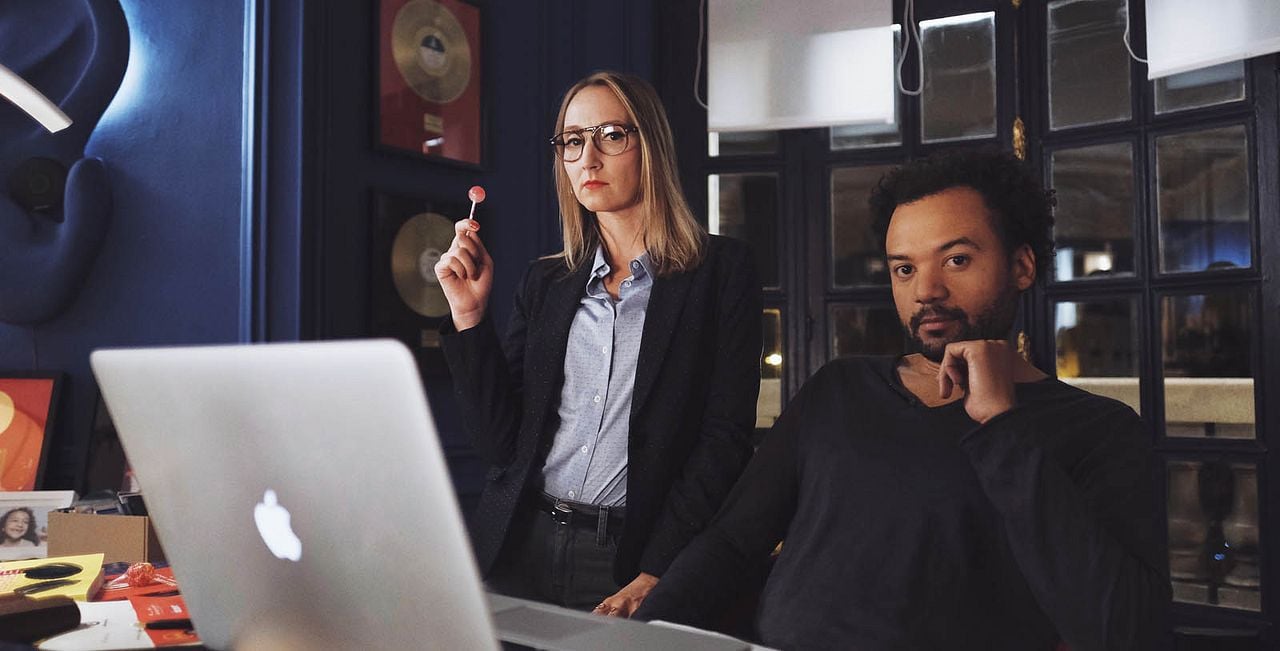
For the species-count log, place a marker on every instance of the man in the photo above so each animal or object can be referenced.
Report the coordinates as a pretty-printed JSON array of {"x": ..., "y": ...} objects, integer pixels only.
[{"x": 953, "y": 498}]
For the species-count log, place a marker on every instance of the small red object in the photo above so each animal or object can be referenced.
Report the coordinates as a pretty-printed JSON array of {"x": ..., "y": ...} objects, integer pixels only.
[
  {"x": 476, "y": 194},
  {"x": 140, "y": 574}
]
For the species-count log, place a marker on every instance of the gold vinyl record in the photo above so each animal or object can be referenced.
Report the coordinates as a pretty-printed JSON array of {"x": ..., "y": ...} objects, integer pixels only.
[
  {"x": 431, "y": 51},
  {"x": 417, "y": 247}
]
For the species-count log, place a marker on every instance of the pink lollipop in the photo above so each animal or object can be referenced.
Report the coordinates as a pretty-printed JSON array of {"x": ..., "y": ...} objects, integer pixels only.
[{"x": 476, "y": 195}]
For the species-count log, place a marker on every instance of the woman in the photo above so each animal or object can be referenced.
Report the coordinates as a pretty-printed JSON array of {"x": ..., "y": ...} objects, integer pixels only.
[
  {"x": 17, "y": 528},
  {"x": 616, "y": 414}
]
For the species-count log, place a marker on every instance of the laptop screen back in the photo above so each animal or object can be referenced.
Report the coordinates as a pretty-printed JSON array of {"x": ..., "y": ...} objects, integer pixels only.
[{"x": 301, "y": 494}]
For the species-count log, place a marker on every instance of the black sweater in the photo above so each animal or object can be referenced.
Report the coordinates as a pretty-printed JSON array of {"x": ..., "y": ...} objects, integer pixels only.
[{"x": 909, "y": 527}]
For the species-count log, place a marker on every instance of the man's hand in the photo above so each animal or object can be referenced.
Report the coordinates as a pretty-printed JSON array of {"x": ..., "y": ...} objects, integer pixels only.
[
  {"x": 984, "y": 370},
  {"x": 628, "y": 599}
]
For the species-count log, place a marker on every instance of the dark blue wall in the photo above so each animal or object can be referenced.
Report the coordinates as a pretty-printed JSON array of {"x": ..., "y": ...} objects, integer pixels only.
[
  {"x": 243, "y": 173},
  {"x": 169, "y": 268}
]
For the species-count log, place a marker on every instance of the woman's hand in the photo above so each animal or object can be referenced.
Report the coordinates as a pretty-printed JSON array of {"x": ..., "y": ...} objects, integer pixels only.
[
  {"x": 465, "y": 273},
  {"x": 628, "y": 599}
]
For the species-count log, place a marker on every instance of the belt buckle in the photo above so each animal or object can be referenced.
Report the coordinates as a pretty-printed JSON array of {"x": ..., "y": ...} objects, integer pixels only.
[{"x": 561, "y": 512}]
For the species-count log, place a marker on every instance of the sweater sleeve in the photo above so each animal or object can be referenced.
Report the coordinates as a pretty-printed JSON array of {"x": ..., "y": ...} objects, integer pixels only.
[
  {"x": 1084, "y": 532},
  {"x": 708, "y": 576},
  {"x": 488, "y": 379}
]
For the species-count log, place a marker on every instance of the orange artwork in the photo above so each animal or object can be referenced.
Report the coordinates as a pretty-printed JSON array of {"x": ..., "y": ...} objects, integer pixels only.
[{"x": 24, "y": 413}]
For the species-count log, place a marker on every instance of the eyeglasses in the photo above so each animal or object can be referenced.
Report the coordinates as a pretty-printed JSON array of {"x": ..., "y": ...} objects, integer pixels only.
[{"x": 609, "y": 139}]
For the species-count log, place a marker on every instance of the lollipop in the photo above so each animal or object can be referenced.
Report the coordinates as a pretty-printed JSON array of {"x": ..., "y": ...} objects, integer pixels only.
[{"x": 476, "y": 195}]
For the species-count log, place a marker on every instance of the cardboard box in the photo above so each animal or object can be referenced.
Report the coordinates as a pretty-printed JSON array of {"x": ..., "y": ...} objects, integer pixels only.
[{"x": 127, "y": 538}]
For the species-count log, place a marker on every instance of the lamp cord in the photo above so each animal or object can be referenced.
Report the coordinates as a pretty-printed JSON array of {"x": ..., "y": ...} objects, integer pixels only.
[
  {"x": 697, "y": 71},
  {"x": 909, "y": 29},
  {"x": 1126, "y": 36}
]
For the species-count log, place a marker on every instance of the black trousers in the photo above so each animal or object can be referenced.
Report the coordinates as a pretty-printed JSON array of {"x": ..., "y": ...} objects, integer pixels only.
[{"x": 562, "y": 564}]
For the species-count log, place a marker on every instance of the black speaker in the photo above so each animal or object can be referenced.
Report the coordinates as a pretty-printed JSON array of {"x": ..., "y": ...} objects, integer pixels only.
[{"x": 37, "y": 185}]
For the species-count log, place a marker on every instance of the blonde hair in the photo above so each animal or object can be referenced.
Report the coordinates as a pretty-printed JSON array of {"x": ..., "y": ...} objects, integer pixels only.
[{"x": 672, "y": 235}]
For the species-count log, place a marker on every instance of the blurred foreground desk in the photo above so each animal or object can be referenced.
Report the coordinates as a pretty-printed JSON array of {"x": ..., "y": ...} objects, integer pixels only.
[
  {"x": 530, "y": 624},
  {"x": 518, "y": 623}
]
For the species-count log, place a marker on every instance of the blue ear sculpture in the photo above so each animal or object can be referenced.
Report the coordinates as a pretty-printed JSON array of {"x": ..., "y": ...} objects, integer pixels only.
[{"x": 55, "y": 204}]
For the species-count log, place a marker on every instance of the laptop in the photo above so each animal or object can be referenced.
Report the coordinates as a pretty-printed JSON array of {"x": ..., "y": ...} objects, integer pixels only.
[{"x": 302, "y": 498}]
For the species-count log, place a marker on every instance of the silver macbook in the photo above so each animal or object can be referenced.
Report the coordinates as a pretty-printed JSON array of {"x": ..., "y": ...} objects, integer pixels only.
[{"x": 301, "y": 495}]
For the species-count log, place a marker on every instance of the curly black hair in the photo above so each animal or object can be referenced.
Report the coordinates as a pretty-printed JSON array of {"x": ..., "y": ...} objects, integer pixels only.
[{"x": 1021, "y": 207}]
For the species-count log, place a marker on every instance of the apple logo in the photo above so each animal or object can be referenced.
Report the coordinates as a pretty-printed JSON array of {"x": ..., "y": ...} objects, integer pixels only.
[{"x": 273, "y": 525}]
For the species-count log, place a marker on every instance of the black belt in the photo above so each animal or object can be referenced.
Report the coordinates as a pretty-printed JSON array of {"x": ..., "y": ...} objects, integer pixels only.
[{"x": 602, "y": 518}]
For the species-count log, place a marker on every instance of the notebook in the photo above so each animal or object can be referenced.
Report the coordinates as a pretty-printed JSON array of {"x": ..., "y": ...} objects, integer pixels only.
[{"x": 301, "y": 495}]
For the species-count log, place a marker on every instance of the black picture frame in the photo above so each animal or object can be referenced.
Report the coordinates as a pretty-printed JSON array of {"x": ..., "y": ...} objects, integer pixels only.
[
  {"x": 28, "y": 417},
  {"x": 390, "y": 312}
]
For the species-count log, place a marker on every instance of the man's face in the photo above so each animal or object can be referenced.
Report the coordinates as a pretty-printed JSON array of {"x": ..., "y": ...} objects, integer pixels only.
[{"x": 951, "y": 276}]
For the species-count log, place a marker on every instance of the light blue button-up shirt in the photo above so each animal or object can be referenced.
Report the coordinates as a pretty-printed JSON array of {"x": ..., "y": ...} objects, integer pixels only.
[{"x": 588, "y": 458}]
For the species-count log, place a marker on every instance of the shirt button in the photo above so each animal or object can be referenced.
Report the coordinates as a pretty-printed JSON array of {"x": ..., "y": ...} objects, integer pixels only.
[
  {"x": 584, "y": 449},
  {"x": 626, "y": 283},
  {"x": 570, "y": 493},
  {"x": 635, "y": 265},
  {"x": 596, "y": 399},
  {"x": 604, "y": 349}
]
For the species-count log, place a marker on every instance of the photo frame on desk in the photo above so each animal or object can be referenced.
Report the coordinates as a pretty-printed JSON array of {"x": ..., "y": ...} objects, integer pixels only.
[
  {"x": 405, "y": 299},
  {"x": 24, "y": 522},
  {"x": 28, "y": 411},
  {"x": 429, "y": 95}
]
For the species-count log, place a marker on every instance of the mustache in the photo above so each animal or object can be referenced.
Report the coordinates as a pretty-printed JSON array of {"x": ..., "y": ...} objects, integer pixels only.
[{"x": 937, "y": 312}]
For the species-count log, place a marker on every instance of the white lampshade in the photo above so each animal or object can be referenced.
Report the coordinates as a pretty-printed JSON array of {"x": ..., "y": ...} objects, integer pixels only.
[
  {"x": 1187, "y": 35},
  {"x": 780, "y": 64},
  {"x": 24, "y": 96}
]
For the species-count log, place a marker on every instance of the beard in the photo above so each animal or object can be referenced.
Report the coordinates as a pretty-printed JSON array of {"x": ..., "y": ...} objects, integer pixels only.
[{"x": 993, "y": 322}]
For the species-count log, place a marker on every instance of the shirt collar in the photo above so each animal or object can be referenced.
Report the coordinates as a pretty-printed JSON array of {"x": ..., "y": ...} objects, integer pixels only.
[{"x": 600, "y": 268}]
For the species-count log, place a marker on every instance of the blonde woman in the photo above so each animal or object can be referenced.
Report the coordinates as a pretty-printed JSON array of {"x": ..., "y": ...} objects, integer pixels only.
[{"x": 616, "y": 413}]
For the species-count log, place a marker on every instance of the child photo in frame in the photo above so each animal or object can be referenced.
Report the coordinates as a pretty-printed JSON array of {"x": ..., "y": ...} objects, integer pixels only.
[{"x": 24, "y": 522}]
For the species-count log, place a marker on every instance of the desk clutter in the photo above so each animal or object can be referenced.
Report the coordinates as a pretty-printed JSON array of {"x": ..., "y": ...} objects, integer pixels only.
[
  {"x": 93, "y": 577},
  {"x": 75, "y": 603}
]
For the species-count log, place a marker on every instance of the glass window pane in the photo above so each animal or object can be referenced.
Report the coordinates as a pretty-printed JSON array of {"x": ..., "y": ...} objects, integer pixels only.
[
  {"x": 1204, "y": 87},
  {"x": 958, "y": 101},
  {"x": 741, "y": 143},
  {"x": 1093, "y": 224},
  {"x": 1208, "y": 378},
  {"x": 1097, "y": 348},
  {"x": 1213, "y": 533},
  {"x": 769, "y": 405},
  {"x": 860, "y": 136},
  {"x": 856, "y": 258},
  {"x": 1088, "y": 63},
  {"x": 1093, "y": 220},
  {"x": 745, "y": 206},
  {"x": 859, "y": 330},
  {"x": 1203, "y": 197}
]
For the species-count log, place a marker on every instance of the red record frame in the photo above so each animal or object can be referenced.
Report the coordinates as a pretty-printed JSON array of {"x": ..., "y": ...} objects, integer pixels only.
[{"x": 450, "y": 130}]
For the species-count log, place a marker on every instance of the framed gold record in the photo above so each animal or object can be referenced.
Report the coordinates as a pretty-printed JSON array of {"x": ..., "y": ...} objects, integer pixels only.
[
  {"x": 429, "y": 91},
  {"x": 415, "y": 250},
  {"x": 431, "y": 50},
  {"x": 405, "y": 300}
]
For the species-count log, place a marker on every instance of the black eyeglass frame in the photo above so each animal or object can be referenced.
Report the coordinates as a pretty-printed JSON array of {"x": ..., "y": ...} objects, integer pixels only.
[{"x": 558, "y": 142}]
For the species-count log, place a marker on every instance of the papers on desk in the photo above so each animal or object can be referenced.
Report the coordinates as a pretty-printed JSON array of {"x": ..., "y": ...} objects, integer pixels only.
[
  {"x": 103, "y": 625},
  {"x": 110, "y": 625}
]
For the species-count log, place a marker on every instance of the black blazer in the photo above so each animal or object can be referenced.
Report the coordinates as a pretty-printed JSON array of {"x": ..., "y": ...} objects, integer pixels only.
[{"x": 694, "y": 404}]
